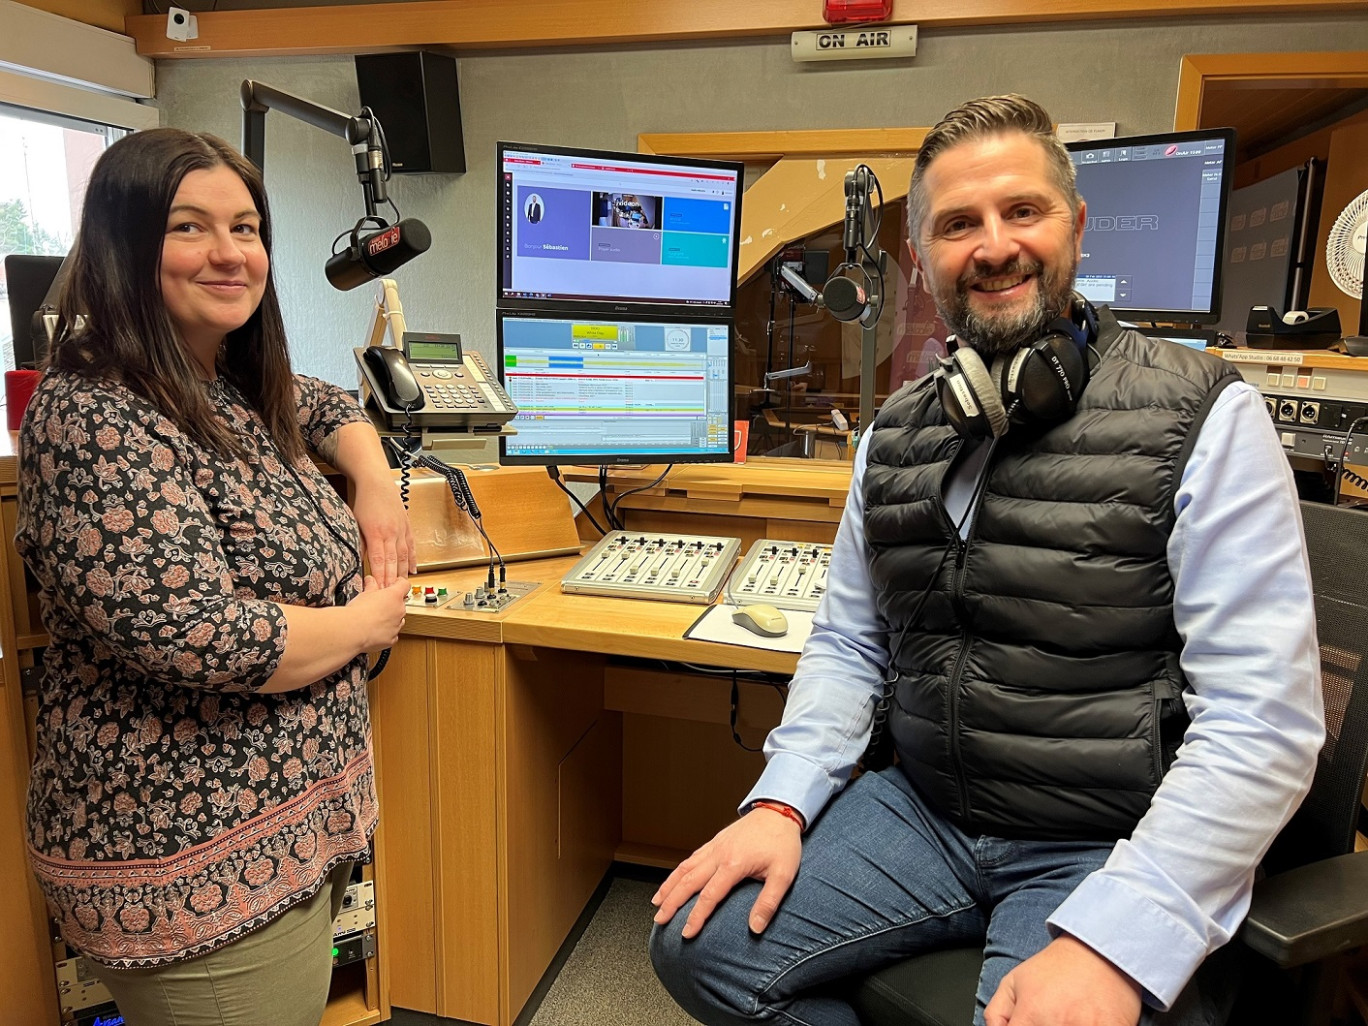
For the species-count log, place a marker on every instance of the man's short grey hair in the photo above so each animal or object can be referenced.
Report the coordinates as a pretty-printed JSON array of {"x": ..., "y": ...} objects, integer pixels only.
[{"x": 980, "y": 119}]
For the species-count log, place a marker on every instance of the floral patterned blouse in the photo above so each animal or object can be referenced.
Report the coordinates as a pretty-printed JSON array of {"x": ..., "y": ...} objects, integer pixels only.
[{"x": 172, "y": 807}]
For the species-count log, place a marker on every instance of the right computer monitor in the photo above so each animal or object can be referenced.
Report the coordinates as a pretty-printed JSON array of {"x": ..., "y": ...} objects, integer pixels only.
[{"x": 1154, "y": 238}]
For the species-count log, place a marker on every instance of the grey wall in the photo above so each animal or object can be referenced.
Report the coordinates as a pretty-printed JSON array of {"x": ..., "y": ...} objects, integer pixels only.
[{"x": 1127, "y": 73}]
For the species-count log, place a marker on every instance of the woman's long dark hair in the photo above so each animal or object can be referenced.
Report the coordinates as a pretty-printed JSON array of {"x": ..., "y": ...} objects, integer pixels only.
[{"x": 114, "y": 282}]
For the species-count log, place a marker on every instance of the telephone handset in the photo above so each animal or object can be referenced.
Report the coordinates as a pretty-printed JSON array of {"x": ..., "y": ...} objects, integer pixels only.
[
  {"x": 394, "y": 378},
  {"x": 433, "y": 383}
]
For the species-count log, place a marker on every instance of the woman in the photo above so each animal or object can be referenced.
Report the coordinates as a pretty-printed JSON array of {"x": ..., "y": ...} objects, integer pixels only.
[{"x": 203, "y": 780}]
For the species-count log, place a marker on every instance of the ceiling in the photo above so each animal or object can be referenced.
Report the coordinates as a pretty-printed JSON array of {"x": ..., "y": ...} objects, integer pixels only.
[{"x": 1265, "y": 114}]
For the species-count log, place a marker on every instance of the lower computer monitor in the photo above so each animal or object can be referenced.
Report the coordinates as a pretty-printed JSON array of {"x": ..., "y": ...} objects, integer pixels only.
[{"x": 615, "y": 390}]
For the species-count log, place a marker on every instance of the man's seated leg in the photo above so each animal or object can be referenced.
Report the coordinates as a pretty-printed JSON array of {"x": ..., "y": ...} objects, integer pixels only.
[
  {"x": 1025, "y": 881},
  {"x": 882, "y": 877}
]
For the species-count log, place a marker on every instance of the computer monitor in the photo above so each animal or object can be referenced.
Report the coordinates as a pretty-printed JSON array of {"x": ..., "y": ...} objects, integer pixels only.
[
  {"x": 615, "y": 390},
  {"x": 1270, "y": 245},
  {"x": 1200, "y": 339},
  {"x": 616, "y": 232},
  {"x": 1154, "y": 238},
  {"x": 27, "y": 280}
]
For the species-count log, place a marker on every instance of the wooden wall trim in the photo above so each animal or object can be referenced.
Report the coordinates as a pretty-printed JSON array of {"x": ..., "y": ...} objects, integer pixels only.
[
  {"x": 1331, "y": 69},
  {"x": 861, "y": 142},
  {"x": 490, "y": 24}
]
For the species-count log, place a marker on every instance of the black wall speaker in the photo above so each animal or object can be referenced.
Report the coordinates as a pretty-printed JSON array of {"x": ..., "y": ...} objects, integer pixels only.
[{"x": 416, "y": 99}]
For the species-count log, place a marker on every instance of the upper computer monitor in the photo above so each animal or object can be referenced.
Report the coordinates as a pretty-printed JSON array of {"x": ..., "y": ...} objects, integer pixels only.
[
  {"x": 607, "y": 390},
  {"x": 616, "y": 232},
  {"x": 1155, "y": 232}
]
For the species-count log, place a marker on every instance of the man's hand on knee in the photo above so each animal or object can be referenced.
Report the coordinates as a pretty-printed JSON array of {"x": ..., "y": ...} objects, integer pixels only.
[
  {"x": 761, "y": 845},
  {"x": 1066, "y": 984}
]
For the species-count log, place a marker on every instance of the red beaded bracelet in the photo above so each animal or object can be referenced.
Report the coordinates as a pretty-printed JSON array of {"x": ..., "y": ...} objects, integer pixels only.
[{"x": 787, "y": 811}]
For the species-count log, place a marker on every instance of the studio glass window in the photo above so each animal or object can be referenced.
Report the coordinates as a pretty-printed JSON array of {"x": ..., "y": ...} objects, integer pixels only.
[{"x": 45, "y": 161}]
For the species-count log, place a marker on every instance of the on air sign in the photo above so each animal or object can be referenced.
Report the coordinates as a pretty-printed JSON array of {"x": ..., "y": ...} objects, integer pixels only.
[{"x": 855, "y": 44}]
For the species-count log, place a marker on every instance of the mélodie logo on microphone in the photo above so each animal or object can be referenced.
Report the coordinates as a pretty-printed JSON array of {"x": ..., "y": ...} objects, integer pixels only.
[
  {"x": 370, "y": 256},
  {"x": 382, "y": 241}
]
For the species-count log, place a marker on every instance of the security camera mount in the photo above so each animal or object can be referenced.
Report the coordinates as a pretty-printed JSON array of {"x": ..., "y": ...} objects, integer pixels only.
[{"x": 181, "y": 25}]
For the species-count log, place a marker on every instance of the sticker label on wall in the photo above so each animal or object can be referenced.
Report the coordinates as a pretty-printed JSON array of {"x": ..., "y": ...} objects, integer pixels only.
[
  {"x": 1083, "y": 131},
  {"x": 1272, "y": 356}
]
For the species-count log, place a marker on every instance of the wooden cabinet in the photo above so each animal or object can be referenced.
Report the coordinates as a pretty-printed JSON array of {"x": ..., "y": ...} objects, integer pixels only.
[
  {"x": 26, "y": 964},
  {"x": 498, "y": 770},
  {"x": 433, "y": 717}
]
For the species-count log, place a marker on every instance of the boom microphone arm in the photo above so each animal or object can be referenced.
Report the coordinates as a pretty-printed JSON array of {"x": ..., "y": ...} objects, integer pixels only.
[
  {"x": 362, "y": 132},
  {"x": 367, "y": 257},
  {"x": 843, "y": 297},
  {"x": 874, "y": 263},
  {"x": 799, "y": 284}
]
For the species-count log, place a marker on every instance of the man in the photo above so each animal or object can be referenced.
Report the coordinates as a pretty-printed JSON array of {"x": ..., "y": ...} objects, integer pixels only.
[{"x": 1055, "y": 611}]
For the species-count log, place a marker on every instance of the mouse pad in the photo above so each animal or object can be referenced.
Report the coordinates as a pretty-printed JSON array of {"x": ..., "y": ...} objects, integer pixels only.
[{"x": 716, "y": 625}]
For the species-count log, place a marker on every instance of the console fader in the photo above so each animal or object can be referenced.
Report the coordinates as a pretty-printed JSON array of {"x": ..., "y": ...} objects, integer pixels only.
[
  {"x": 672, "y": 567},
  {"x": 787, "y": 574}
]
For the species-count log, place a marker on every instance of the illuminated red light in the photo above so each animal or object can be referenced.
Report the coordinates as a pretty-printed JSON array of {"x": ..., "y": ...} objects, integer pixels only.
[{"x": 839, "y": 12}]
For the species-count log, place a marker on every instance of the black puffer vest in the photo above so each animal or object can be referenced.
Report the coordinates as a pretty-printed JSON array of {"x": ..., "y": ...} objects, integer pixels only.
[{"x": 1038, "y": 695}]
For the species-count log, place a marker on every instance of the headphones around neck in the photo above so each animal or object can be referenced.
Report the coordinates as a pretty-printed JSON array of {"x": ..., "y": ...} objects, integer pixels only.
[{"x": 1039, "y": 382}]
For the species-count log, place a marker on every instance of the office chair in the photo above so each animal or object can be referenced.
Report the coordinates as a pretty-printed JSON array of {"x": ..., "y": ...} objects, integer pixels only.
[{"x": 1312, "y": 906}]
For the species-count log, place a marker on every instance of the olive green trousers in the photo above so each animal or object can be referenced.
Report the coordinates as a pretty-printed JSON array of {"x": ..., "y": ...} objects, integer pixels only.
[{"x": 278, "y": 975}]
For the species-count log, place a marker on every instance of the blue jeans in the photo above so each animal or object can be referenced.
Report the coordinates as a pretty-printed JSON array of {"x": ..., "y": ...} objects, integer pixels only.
[{"x": 883, "y": 877}]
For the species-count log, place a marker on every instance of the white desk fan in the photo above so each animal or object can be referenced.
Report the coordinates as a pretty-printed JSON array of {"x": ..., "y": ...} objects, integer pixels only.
[{"x": 1344, "y": 256}]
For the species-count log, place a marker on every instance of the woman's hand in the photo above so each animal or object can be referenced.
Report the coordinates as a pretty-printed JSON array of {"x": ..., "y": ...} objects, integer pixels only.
[
  {"x": 379, "y": 612},
  {"x": 385, "y": 529}
]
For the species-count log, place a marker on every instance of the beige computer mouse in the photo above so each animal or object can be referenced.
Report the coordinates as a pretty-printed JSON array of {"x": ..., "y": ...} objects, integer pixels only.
[{"x": 762, "y": 619}]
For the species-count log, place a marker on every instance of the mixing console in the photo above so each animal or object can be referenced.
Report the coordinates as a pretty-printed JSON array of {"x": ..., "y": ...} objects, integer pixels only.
[
  {"x": 672, "y": 567},
  {"x": 787, "y": 574}
]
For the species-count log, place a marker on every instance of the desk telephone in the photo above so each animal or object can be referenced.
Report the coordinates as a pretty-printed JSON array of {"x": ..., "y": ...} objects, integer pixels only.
[{"x": 434, "y": 383}]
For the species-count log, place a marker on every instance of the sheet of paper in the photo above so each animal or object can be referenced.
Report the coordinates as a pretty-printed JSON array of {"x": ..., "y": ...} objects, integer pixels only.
[{"x": 716, "y": 625}]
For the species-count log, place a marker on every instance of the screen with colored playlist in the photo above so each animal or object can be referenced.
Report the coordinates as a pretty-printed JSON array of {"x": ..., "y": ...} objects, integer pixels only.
[
  {"x": 1155, "y": 223},
  {"x": 614, "y": 391},
  {"x": 626, "y": 229}
]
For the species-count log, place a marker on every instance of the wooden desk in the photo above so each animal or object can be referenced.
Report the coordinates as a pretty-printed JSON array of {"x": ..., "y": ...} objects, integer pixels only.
[
  {"x": 517, "y": 760},
  {"x": 517, "y": 755}
]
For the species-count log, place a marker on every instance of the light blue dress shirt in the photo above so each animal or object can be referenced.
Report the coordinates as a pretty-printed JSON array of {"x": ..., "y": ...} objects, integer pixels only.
[{"x": 1180, "y": 886}]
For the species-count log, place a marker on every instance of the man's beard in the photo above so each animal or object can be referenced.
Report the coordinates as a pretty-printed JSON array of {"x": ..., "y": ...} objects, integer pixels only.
[{"x": 1003, "y": 332}]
